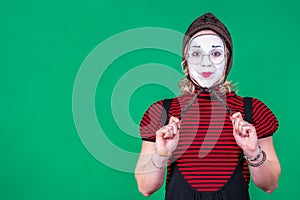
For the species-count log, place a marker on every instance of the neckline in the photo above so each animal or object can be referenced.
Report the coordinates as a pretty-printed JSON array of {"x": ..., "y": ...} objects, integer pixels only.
[{"x": 207, "y": 95}]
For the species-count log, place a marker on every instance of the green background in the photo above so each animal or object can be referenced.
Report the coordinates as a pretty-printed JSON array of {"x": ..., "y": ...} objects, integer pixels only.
[{"x": 43, "y": 44}]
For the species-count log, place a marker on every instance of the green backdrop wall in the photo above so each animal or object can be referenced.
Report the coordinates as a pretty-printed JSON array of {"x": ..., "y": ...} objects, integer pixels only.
[{"x": 58, "y": 79}]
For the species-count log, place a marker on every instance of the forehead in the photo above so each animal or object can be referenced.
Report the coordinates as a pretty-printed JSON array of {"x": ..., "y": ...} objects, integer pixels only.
[{"x": 206, "y": 41}]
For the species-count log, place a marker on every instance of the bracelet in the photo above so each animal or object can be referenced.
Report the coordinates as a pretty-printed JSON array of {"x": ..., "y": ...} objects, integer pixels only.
[
  {"x": 256, "y": 158},
  {"x": 163, "y": 154},
  {"x": 157, "y": 167},
  {"x": 260, "y": 162}
]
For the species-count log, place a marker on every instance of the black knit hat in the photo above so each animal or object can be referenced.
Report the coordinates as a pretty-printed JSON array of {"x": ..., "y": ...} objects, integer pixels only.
[{"x": 210, "y": 22}]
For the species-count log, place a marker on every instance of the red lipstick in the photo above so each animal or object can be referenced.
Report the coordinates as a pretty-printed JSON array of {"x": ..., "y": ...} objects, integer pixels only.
[{"x": 206, "y": 74}]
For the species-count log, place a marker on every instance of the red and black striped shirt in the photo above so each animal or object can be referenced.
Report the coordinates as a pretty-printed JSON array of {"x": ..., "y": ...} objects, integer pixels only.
[{"x": 207, "y": 153}]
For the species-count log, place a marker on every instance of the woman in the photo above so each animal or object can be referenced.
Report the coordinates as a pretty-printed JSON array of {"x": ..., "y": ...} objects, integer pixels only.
[{"x": 214, "y": 139}]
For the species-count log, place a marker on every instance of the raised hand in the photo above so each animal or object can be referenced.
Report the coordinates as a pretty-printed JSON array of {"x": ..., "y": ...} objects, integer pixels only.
[
  {"x": 167, "y": 137},
  {"x": 245, "y": 135}
]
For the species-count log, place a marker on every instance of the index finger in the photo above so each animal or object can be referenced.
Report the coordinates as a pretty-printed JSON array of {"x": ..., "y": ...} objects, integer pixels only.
[
  {"x": 174, "y": 120},
  {"x": 237, "y": 115}
]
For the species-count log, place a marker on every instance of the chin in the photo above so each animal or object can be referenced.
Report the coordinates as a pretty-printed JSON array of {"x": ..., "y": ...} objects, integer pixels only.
[{"x": 207, "y": 85}]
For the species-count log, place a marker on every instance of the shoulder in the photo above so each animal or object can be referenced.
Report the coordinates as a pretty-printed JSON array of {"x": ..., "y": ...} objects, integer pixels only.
[
  {"x": 264, "y": 119},
  {"x": 257, "y": 104},
  {"x": 155, "y": 109},
  {"x": 156, "y": 104}
]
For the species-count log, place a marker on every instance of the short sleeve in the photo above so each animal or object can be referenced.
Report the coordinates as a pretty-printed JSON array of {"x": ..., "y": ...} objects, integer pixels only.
[
  {"x": 264, "y": 120},
  {"x": 151, "y": 121}
]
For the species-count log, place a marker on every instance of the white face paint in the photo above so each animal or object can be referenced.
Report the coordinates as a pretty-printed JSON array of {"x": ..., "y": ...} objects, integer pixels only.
[{"x": 205, "y": 73}]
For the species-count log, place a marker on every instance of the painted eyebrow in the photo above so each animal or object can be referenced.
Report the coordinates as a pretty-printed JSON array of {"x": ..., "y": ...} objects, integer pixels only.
[{"x": 213, "y": 46}]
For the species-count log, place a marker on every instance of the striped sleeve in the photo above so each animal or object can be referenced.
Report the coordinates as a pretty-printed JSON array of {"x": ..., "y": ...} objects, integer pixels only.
[
  {"x": 264, "y": 119},
  {"x": 151, "y": 122}
]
